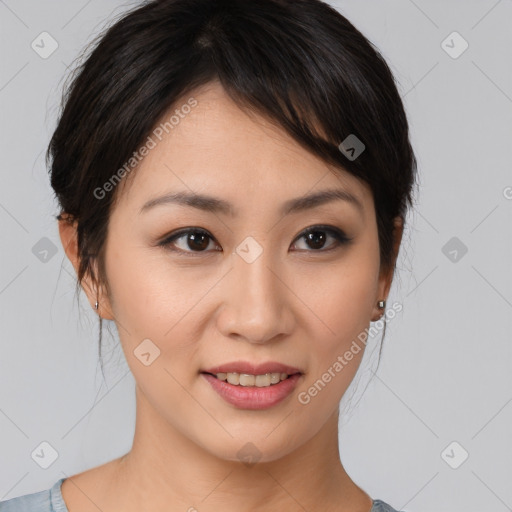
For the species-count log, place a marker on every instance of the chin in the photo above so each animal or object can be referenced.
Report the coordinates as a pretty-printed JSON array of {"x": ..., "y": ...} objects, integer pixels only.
[{"x": 249, "y": 449}]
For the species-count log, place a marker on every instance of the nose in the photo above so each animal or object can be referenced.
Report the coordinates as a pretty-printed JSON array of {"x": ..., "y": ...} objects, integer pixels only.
[{"x": 256, "y": 306}]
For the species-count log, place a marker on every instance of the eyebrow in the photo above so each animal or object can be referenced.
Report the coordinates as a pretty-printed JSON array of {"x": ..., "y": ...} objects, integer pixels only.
[{"x": 216, "y": 205}]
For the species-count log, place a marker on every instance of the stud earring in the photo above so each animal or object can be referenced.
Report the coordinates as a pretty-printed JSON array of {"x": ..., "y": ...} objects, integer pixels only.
[
  {"x": 96, "y": 305},
  {"x": 381, "y": 304}
]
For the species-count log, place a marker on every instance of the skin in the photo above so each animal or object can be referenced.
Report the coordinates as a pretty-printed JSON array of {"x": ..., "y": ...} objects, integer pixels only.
[{"x": 297, "y": 304}]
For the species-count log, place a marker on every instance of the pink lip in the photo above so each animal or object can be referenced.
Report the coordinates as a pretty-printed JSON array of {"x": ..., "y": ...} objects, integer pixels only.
[
  {"x": 252, "y": 397},
  {"x": 253, "y": 369}
]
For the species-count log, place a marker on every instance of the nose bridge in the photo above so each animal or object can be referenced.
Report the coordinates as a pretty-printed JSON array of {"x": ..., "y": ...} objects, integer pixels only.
[{"x": 256, "y": 302}]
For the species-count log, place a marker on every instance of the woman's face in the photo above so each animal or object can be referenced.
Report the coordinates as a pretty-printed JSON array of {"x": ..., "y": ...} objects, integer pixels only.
[{"x": 250, "y": 286}]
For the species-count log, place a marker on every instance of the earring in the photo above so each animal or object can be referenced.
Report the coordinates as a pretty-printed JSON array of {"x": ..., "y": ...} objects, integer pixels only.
[
  {"x": 96, "y": 305},
  {"x": 381, "y": 304}
]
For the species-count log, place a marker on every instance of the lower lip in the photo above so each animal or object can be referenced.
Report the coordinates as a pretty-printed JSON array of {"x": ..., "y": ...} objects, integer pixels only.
[{"x": 253, "y": 397}]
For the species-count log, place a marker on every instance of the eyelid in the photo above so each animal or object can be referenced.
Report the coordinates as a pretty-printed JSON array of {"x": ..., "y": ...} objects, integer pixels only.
[
  {"x": 171, "y": 237},
  {"x": 337, "y": 233}
]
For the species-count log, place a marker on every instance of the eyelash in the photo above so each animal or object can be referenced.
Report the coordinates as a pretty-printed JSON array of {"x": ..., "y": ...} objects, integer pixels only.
[{"x": 336, "y": 233}]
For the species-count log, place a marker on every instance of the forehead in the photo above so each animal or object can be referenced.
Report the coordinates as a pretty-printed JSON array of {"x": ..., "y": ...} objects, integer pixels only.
[{"x": 217, "y": 147}]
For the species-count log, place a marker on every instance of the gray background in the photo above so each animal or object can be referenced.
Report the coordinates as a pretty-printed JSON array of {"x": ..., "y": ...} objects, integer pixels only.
[{"x": 445, "y": 372}]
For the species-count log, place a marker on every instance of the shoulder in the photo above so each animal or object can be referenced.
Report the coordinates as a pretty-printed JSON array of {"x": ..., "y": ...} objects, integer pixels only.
[
  {"x": 381, "y": 506},
  {"x": 49, "y": 500}
]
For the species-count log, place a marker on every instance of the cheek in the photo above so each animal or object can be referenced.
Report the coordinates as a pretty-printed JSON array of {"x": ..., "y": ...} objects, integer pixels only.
[
  {"x": 153, "y": 300},
  {"x": 156, "y": 299},
  {"x": 342, "y": 295},
  {"x": 149, "y": 295},
  {"x": 342, "y": 298}
]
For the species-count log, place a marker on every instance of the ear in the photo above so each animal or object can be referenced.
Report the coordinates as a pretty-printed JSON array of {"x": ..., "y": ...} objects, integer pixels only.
[
  {"x": 68, "y": 237},
  {"x": 386, "y": 275}
]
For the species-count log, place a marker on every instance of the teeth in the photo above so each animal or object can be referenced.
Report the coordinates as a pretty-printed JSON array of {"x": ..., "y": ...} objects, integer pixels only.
[{"x": 247, "y": 380}]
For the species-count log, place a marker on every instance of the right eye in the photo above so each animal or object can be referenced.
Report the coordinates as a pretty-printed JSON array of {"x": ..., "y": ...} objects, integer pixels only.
[{"x": 195, "y": 239}]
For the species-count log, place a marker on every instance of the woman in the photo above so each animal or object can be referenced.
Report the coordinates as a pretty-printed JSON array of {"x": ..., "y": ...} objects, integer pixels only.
[{"x": 233, "y": 178}]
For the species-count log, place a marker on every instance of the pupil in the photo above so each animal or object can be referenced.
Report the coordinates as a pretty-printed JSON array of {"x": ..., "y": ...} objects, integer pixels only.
[
  {"x": 315, "y": 236},
  {"x": 199, "y": 237}
]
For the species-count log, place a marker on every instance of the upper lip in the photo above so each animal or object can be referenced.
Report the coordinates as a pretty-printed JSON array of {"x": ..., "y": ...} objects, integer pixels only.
[{"x": 252, "y": 368}]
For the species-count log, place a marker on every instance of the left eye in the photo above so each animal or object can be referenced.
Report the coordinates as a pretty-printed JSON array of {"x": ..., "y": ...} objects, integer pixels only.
[
  {"x": 316, "y": 236},
  {"x": 197, "y": 240}
]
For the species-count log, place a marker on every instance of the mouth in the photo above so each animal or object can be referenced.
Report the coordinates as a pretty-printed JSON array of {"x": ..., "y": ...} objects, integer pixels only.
[
  {"x": 250, "y": 380},
  {"x": 253, "y": 392},
  {"x": 248, "y": 386}
]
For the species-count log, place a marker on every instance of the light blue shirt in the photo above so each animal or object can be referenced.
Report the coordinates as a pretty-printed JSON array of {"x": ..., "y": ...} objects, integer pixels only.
[{"x": 51, "y": 501}]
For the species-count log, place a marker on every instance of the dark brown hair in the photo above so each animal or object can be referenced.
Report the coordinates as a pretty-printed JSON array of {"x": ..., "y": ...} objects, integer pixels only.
[{"x": 298, "y": 62}]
